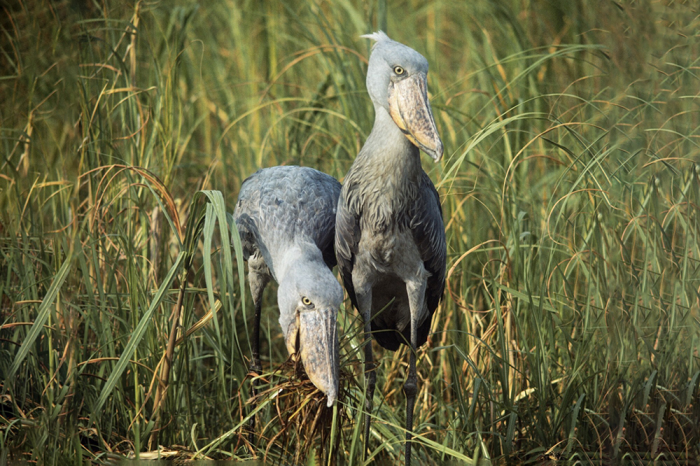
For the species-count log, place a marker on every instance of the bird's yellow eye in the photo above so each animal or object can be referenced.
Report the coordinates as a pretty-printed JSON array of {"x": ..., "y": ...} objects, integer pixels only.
[
  {"x": 306, "y": 301},
  {"x": 398, "y": 70}
]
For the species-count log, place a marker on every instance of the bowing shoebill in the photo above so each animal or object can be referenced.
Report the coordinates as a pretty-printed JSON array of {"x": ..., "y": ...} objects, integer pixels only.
[
  {"x": 390, "y": 239},
  {"x": 286, "y": 220}
]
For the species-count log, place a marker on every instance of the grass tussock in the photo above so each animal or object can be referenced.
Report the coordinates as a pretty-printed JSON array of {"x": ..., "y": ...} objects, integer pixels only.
[
  {"x": 570, "y": 328},
  {"x": 299, "y": 412}
]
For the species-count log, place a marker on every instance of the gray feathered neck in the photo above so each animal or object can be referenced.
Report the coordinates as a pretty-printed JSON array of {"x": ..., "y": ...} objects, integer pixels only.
[{"x": 385, "y": 177}]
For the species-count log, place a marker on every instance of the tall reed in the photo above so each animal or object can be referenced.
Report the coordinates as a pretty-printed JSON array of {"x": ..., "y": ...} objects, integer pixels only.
[{"x": 570, "y": 326}]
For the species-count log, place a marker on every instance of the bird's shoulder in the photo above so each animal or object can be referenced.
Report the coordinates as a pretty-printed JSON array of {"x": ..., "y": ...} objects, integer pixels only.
[
  {"x": 289, "y": 183},
  {"x": 288, "y": 202},
  {"x": 288, "y": 189}
]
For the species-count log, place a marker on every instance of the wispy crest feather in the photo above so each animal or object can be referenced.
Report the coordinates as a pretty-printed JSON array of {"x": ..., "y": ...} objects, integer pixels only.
[{"x": 376, "y": 36}]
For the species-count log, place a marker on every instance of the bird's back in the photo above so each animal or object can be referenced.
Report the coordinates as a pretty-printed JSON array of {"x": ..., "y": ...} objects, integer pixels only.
[{"x": 279, "y": 205}]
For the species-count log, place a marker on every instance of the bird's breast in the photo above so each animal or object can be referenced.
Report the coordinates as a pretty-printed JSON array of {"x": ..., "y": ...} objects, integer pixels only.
[
  {"x": 390, "y": 252},
  {"x": 383, "y": 204}
]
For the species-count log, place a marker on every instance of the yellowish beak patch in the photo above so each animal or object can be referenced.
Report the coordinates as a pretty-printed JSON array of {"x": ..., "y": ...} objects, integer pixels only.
[{"x": 410, "y": 110}]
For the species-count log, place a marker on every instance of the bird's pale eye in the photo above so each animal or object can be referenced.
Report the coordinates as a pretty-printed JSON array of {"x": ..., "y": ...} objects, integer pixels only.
[
  {"x": 399, "y": 70},
  {"x": 306, "y": 301}
]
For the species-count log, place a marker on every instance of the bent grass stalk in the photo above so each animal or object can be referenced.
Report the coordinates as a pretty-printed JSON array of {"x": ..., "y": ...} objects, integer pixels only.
[{"x": 570, "y": 185}]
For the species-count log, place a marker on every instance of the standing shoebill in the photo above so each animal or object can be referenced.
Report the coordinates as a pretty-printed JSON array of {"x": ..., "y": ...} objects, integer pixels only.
[
  {"x": 286, "y": 220},
  {"x": 390, "y": 238}
]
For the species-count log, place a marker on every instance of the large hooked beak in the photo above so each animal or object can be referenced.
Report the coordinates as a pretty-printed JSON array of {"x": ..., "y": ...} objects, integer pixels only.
[
  {"x": 410, "y": 110},
  {"x": 317, "y": 337}
]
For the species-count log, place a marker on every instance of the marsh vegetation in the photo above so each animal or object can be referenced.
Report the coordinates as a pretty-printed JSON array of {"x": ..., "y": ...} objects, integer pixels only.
[{"x": 570, "y": 327}]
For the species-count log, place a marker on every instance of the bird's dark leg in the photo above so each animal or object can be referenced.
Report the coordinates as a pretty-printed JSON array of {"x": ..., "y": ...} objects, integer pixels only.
[
  {"x": 257, "y": 286},
  {"x": 410, "y": 388},
  {"x": 371, "y": 375},
  {"x": 416, "y": 297},
  {"x": 364, "y": 301},
  {"x": 255, "y": 367}
]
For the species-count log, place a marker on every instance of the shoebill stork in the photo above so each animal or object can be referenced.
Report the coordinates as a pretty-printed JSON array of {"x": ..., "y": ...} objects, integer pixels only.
[
  {"x": 286, "y": 220},
  {"x": 390, "y": 238}
]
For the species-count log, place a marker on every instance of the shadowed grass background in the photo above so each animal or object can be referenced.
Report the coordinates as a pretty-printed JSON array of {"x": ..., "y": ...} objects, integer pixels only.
[{"x": 570, "y": 327}]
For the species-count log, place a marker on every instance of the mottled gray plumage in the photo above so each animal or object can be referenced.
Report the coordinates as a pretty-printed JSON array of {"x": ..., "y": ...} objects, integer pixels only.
[
  {"x": 390, "y": 240},
  {"x": 286, "y": 220},
  {"x": 388, "y": 228}
]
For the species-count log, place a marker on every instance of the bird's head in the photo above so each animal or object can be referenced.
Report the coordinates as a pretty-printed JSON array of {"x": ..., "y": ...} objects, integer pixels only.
[
  {"x": 397, "y": 81},
  {"x": 309, "y": 298}
]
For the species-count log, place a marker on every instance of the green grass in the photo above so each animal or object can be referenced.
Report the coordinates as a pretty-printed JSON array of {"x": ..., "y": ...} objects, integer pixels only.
[{"x": 570, "y": 328}]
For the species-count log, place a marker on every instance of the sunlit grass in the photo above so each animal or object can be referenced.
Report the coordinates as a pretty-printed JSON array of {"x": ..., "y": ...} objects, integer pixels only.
[{"x": 570, "y": 326}]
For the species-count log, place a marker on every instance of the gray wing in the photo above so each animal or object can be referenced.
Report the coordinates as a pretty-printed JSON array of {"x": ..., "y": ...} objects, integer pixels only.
[
  {"x": 347, "y": 238},
  {"x": 429, "y": 234},
  {"x": 282, "y": 204}
]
